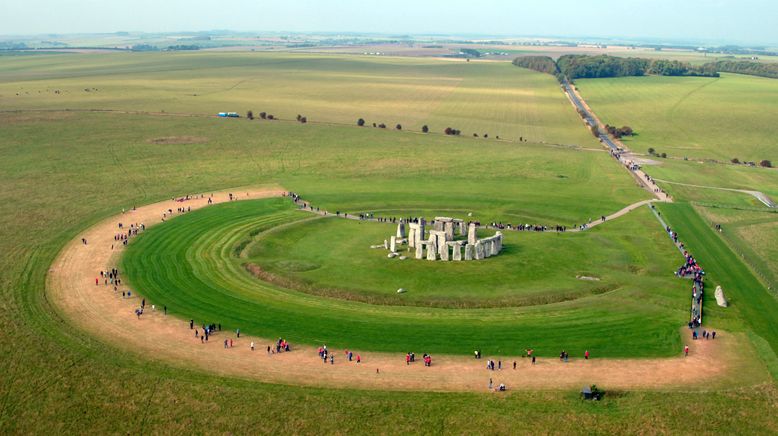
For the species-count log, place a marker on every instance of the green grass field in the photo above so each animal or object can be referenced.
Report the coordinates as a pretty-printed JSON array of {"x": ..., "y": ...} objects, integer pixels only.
[
  {"x": 64, "y": 171},
  {"x": 477, "y": 97},
  {"x": 719, "y": 118},
  {"x": 332, "y": 257}
]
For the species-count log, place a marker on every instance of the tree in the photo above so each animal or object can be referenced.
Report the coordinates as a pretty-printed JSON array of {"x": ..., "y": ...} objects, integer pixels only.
[
  {"x": 374, "y": 125},
  {"x": 543, "y": 64},
  {"x": 250, "y": 115},
  {"x": 398, "y": 127},
  {"x": 263, "y": 115},
  {"x": 303, "y": 120},
  {"x": 486, "y": 135},
  {"x": 766, "y": 164},
  {"x": 735, "y": 160},
  {"x": 382, "y": 126},
  {"x": 651, "y": 150},
  {"x": 448, "y": 131},
  {"x": 360, "y": 122},
  {"x": 664, "y": 155},
  {"x": 475, "y": 135},
  {"x": 425, "y": 129},
  {"x": 298, "y": 117},
  {"x": 270, "y": 117}
]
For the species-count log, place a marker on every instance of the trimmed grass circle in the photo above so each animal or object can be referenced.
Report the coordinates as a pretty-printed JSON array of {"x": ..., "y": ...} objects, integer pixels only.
[{"x": 191, "y": 265}]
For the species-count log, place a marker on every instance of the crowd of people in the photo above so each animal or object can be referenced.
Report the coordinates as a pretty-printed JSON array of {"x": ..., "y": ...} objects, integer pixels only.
[{"x": 691, "y": 269}]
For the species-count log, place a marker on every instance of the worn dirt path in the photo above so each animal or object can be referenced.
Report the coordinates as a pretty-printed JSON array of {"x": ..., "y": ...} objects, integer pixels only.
[
  {"x": 308, "y": 207},
  {"x": 105, "y": 314},
  {"x": 759, "y": 195}
]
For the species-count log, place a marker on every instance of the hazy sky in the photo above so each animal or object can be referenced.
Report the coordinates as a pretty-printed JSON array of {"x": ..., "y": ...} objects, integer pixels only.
[{"x": 724, "y": 20}]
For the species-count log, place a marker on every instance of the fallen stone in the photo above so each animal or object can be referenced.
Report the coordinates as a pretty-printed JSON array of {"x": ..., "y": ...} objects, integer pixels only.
[{"x": 401, "y": 291}]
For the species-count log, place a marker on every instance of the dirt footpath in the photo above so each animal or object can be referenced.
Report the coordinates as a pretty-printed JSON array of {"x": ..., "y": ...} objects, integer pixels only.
[{"x": 106, "y": 315}]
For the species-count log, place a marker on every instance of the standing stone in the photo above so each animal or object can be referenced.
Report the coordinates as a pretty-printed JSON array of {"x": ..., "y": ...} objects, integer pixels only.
[
  {"x": 449, "y": 229},
  {"x": 422, "y": 229},
  {"x": 721, "y": 300},
  {"x": 489, "y": 248},
  {"x": 419, "y": 250},
  {"x": 401, "y": 230},
  {"x": 478, "y": 249},
  {"x": 444, "y": 252},
  {"x": 471, "y": 236},
  {"x": 393, "y": 244},
  {"x": 469, "y": 249},
  {"x": 413, "y": 234},
  {"x": 498, "y": 241},
  {"x": 462, "y": 228},
  {"x": 432, "y": 249},
  {"x": 437, "y": 225},
  {"x": 456, "y": 254},
  {"x": 440, "y": 239}
]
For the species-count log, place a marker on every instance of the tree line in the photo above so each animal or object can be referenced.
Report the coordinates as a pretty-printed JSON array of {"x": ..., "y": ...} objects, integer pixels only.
[
  {"x": 544, "y": 64},
  {"x": 573, "y": 67},
  {"x": 747, "y": 67}
]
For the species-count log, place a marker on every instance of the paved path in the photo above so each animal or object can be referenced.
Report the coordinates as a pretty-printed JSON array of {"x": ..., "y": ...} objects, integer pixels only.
[
  {"x": 696, "y": 307},
  {"x": 616, "y": 150}
]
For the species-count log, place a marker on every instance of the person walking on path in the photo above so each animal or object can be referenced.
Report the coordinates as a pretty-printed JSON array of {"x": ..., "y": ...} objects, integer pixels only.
[
  {"x": 586, "y": 355},
  {"x": 490, "y": 383},
  {"x": 514, "y": 364},
  {"x": 686, "y": 351},
  {"x": 359, "y": 359},
  {"x": 252, "y": 345}
]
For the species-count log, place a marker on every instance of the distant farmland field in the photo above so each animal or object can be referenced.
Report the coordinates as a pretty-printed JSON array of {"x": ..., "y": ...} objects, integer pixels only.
[
  {"x": 475, "y": 97},
  {"x": 720, "y": 118}
]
